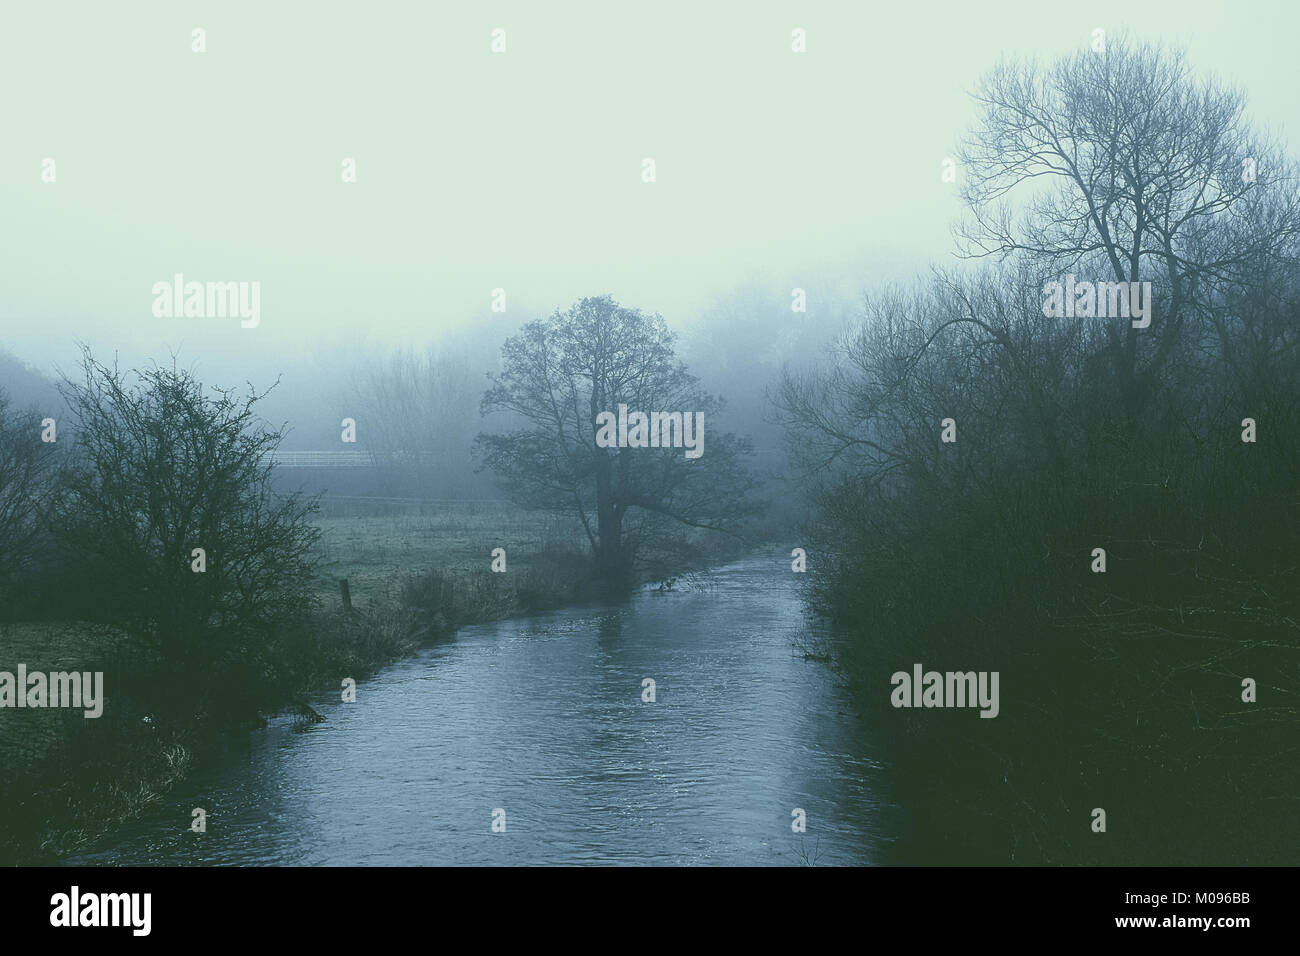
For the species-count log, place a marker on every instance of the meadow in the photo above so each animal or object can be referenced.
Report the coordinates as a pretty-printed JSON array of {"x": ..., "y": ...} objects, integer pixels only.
[
  {"x": 416, "y": 571},
  {"x": 377, "y": 543}
]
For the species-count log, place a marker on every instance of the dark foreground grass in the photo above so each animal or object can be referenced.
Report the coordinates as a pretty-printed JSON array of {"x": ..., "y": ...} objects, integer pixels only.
[
  {"x": 416, "y": 575},
  {"x": 1122, "y": 706}
]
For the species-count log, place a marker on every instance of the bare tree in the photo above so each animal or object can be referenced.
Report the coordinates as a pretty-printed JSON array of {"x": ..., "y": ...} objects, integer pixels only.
[
  {"x": 162, "y": 467},
  {"x": 26, "y": 466},
  {"x": 1127, "y": 163},
  {"x": 419, "y": 412},
  {"x": 558, "y": 376},
  {"x": 1079, "y": 440}
]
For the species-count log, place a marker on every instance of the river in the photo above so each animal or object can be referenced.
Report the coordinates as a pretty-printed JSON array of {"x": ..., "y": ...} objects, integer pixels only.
[{"x": 543, "y": 718}]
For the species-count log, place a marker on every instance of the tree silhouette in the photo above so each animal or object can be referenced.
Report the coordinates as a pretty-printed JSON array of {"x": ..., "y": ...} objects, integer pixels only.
[
  {"x": 163, "y": 466},
  {"x": 558, "y": 375}
]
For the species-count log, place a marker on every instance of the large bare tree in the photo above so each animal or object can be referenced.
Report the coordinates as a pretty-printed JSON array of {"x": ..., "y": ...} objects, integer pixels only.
[
  {"x": 558, "y": 376},
  {"x": 1127, "y": 165}
]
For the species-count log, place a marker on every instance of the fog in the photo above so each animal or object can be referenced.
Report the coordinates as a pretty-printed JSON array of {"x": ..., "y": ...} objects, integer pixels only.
[
  {"x": 460, "y": 245},
  {"x": 478, "y": 171},
  {"x": 519, "y": 171}
]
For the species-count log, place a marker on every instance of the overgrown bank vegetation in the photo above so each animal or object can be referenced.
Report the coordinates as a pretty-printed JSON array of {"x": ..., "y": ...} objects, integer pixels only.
[
  {"x": 152, "y": 541},
  {"x": 416, "y": 578},
  {"x": 1123, "y": 689}
]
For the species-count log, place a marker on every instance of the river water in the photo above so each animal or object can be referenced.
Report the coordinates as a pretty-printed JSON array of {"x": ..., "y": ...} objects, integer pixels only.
[{"x": 543, "y": 718}]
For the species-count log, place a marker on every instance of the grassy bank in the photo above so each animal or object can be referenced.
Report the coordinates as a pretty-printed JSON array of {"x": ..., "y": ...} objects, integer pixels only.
[
  {"x": 416, "y": 573},
  {"x": 1108, "y": 701}
]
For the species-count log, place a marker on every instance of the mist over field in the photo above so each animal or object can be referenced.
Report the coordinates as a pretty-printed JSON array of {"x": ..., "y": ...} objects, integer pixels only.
[{"x": 739, "y": 434}]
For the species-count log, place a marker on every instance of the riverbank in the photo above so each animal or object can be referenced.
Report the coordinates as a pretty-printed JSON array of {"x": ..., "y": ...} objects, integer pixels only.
[
  {"x": 1129, "y": 734},
  {"x": 415, "y": 576},
  {"x": 546, "y": 717}
]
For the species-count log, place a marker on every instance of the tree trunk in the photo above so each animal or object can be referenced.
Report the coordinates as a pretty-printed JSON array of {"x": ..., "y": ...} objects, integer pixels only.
[{"x": 609, "y": 528}]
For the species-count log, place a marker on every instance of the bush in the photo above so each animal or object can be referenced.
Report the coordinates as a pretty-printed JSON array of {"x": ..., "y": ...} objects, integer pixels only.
[{"x": 161, "y": 467}]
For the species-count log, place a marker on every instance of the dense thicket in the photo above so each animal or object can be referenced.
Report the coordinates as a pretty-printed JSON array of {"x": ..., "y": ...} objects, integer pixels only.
[
  {"x": 167, "y": 519},
  {"x": 1120, "y": 690}
]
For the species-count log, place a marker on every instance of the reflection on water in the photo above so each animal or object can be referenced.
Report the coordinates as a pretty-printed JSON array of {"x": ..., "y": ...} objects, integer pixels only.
[{"x": 543, "y": 718}]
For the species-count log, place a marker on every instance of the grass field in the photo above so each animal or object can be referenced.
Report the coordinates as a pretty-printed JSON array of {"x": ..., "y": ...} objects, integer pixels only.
[
  {"x": 416, "y": 571},
  {"x": 376, "y": 545}
]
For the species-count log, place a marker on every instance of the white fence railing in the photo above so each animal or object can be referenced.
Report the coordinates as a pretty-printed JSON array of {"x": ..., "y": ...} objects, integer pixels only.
[{"x": 322, "y": 459}]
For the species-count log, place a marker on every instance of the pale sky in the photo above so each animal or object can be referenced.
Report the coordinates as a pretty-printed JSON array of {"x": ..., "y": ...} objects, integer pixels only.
[{"x": 519, "y": 170}]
